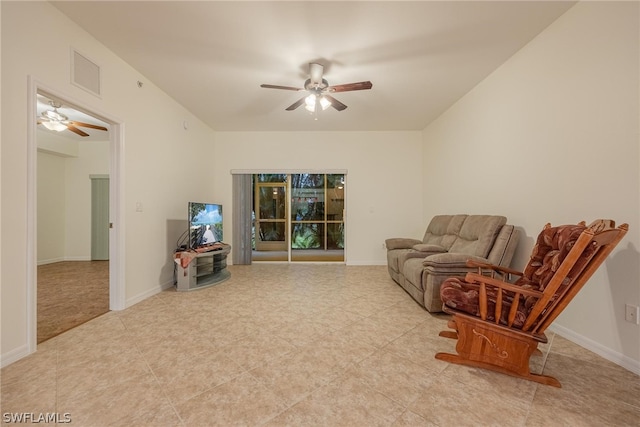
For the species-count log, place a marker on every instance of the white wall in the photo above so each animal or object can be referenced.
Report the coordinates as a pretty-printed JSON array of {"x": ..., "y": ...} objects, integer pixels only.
[
  {"x": 384, "y": 187},
  {"x": 157, "y": 150},
  {"x": 92, "y": 159},
  {"x": 64, "y": 196},
  {"x": 552, "y": 136},
  {"x": 51, "y": 208}
]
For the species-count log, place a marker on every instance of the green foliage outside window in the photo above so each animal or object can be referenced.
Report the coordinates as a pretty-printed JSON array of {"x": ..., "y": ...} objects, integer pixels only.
[{"x": 316, "y": 210}]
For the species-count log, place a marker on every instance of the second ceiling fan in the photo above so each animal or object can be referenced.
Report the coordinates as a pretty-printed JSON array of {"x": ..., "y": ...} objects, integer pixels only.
[
  {"x": 319, "y": 91},
  {"x": 55, "y": 120}
]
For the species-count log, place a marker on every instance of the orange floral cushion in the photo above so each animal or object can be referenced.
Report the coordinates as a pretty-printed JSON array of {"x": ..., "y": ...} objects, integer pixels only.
[{"x": 551, "y": 248}]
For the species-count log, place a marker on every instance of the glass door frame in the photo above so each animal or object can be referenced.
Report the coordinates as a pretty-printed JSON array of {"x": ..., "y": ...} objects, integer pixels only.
[
  {"x": 251, "y": 224},
  {"x": 266, "y": 245},
  {"x": 316, "y": 211}
]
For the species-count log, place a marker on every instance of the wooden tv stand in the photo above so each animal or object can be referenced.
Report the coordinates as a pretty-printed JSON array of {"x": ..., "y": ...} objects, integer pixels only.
[{"x": 206, "y": 268}]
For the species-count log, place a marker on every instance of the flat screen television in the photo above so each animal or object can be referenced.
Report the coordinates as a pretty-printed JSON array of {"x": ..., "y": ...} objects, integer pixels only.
[{"x": 205, "y": 224}]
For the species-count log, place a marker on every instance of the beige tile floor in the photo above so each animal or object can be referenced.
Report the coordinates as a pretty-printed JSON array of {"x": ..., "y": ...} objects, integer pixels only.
[{"x": 299, "y": 345}]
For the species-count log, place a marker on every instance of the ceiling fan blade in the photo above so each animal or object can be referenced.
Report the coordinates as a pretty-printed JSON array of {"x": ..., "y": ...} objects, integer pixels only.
[
  {"x": 315, "y": 72},
  {"x": 335, "y": 103},
  {"x": 295, "y": 105},
  {"x": 281, "y": 87},
  {"x": 87, "y": 125},
  {"x": 350, "y": 86},
  {"x": 74, "y": 129}
]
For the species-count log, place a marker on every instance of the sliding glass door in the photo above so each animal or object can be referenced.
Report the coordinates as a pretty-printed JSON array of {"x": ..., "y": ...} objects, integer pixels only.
[
  {"x": 314, "y": 228},
  {"x": 317, "y": 217},
  {"x": 270, "y": 209}
]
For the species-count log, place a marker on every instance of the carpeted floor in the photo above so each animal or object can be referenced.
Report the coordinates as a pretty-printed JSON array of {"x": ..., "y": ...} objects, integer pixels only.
[{"x": 70, "y": 293}]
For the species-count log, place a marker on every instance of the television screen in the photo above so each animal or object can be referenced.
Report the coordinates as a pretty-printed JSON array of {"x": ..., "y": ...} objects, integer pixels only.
[{"x": 205, "y": 224}]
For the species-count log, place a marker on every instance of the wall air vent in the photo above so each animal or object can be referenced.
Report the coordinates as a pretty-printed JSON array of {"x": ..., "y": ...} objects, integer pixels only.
[{"x": 85, "y": 73}]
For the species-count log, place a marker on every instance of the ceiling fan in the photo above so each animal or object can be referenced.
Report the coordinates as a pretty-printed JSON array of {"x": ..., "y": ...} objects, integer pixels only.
[
  {"x": 319, "y": 91},
  {"x": 54, "y": 120}
]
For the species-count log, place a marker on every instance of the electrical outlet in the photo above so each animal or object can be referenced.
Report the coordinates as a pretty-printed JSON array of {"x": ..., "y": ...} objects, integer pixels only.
[
  {"x": 632, "y": 314},
  {"x": 384, "y": 246}
]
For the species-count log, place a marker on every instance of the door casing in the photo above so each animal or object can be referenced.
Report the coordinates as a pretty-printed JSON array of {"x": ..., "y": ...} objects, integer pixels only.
[{"x": 116, "y": 204}]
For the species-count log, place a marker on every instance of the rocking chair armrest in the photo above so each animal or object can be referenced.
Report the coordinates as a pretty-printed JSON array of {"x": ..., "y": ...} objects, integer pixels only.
[
  {"x": 497, "y": 268},
  {"x": 480, "y": 279},
  {"x": 500, "y": 292}
]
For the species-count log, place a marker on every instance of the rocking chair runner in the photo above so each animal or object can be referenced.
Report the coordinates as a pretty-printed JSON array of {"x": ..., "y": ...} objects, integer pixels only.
[{"x": 498, "y": 322}]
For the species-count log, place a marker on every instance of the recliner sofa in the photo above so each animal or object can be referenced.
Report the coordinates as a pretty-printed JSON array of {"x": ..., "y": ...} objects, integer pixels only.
[{"x": 420, "y": 266}]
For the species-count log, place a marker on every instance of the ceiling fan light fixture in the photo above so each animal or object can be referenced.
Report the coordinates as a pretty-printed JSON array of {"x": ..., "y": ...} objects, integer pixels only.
[
  {"x": 324, "y": 103},
  {"x": 56, "y": 126},
  {"x": 319, "y": 90},
  {"x": 54, "y": 115},
  {"x": 310, "y": 103}
]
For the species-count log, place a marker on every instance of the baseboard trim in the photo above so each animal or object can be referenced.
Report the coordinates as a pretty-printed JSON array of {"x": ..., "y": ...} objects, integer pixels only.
[
  {"x": 147, "y": 294},
  {"x": 609, "y": 354},
  {"x": 49, "y": 261},
  {"x": 54, "y": 260},
  {"x": 14, "y": 355},
  {"x": 78, "y": 258},
  {"x": 366, "y": 263}
]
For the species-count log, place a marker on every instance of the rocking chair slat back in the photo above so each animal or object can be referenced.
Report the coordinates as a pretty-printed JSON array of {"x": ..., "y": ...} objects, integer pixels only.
[
  {"x": 551, "y": 295},
  {"x": 498, "y": 324},
  {"x": 605, "y": 242}
]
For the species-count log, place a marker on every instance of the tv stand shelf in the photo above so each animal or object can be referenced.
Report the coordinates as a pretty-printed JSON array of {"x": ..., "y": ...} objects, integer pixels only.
[{"x": 205, "y": 269}]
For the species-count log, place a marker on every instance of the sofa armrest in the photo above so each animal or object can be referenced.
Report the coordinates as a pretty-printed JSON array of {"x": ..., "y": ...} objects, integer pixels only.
[
  {"x": 401, "y": 243},
  {"x": 426, "y": 247},
  {"x": 452, "y": 261}
]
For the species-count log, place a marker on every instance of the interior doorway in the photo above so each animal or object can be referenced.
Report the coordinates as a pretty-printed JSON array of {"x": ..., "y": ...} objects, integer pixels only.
[
  {"x": 37, "y": 248},
  {"x": 72, "y": 217}
]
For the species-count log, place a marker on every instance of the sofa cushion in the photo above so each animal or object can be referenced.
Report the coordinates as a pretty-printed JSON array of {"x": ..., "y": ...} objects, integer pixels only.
[
  {"x": 505, "y": 246},
  {"x": 477, "y": 234},
  {"x": 412, "y": 271},
  {"x": 451, "y": 260},
  {"x": 443, "y": 230},
  {"x": 393, "y": 259},
  {"x": 426, "y": 247}
]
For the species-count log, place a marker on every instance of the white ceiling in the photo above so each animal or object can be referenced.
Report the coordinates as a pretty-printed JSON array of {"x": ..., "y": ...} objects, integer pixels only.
[{"x": 212, "y": 56}]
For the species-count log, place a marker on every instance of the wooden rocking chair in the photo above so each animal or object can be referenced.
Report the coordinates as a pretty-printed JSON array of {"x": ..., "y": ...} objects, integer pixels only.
[{"x": 499, "y": 322}]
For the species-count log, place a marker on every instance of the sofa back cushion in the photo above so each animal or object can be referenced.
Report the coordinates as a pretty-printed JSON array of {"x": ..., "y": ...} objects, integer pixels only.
[
  {"x": 443, "y": 230},
  {"x": 504, "y": 247},
  {"x": 477, "y": 234}
]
